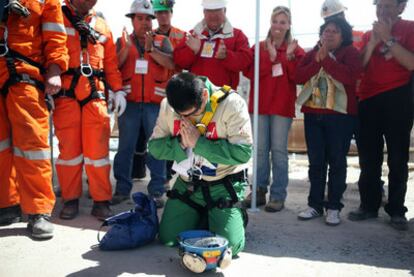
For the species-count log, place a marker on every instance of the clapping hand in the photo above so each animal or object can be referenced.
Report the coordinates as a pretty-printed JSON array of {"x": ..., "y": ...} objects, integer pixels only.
[{"x": 193, "y": 42}]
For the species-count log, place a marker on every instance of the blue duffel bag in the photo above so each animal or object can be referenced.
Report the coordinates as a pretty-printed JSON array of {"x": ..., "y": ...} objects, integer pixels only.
[{"x": 133, "y": 228}]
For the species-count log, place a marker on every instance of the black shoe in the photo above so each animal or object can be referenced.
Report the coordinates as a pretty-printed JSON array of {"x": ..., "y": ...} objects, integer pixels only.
[
  {"x": 361, "y": 214},
  {"x": 399, "y": 223},
  {"x": 119, "y": 198},
  {"x": 101, "y": 210},
  {"x": 10, "y": 215},
  {"x": 40, "y": 227},
  {"x": 70, "y": 209}
]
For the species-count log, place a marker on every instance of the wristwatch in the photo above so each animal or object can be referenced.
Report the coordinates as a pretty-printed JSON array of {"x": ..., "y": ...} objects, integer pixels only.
[{"x": 389, "y": 43}]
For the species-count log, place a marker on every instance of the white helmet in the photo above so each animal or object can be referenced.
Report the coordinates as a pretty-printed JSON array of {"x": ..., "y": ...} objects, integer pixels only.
[
  {"x": 331, "y": 7},
  {"x": 141, "y": 6},
  {"x": 213, "y": 4}
]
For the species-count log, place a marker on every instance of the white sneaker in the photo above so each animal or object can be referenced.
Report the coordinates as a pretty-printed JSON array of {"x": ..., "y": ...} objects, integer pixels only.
[
  {"x": 309, "y": 213},
  {"x": 332, "y": 217}
]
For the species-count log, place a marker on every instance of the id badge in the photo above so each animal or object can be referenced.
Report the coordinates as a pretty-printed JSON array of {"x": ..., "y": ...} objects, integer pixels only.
[
  {"x": 208, "y": 49},
  {"x": 277, "y": 70},
  {"x": 141, "y": 66}
]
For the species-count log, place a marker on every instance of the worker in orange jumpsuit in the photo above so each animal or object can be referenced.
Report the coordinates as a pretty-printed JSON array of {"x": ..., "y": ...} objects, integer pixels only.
[
  {"x": 32, "y": 56},
  {"x": 80, "y": 117}
]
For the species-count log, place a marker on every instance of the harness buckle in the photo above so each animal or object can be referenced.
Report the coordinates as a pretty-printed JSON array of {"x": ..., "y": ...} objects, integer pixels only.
[
  {"x": 86, "y": 70},
  {"x": 3, "y": 45},
  {"x": 3, "y": 49},
  {"x": 85, "y": 67},
  {"x": 195, "y": 173}
]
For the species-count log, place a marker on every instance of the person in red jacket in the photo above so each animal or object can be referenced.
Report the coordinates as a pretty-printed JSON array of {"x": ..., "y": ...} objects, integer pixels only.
[
  {"x": 329, "y": 72},
  {"x": 279, "y": 56},
  {"x": 214, "y": 43},
  {"x": 386, "y": 112}
]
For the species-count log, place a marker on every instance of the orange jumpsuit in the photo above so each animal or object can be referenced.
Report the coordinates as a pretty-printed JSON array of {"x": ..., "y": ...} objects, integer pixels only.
[
  {"x": 24, "y": 119},
  {"x": 83, "y": 131}
]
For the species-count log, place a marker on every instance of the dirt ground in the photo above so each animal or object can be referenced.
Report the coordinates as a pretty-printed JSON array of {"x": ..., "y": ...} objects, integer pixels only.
[{"x": 277, "y": 244}]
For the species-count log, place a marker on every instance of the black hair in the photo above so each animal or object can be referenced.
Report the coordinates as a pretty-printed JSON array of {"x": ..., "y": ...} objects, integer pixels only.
[
  {"x": 341, "y": 24},
  {"x": 185, "y": 91}
]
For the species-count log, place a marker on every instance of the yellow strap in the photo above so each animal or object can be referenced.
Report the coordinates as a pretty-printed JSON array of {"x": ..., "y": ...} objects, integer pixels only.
[{"x": 208, "y": 115}]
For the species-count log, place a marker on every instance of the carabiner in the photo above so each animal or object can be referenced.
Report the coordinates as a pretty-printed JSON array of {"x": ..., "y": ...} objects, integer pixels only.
[{"x": 3, "y": 46}]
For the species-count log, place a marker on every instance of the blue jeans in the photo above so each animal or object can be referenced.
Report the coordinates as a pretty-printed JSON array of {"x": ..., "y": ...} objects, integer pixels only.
[
  {"x": 328, "y": 137},
  {"x": 272, "y": 144},
  {"x": 129, "y": 124}
]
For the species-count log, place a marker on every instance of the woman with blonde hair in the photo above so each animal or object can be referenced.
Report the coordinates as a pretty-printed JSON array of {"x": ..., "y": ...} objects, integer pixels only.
[{"x": 279, "y": 56}]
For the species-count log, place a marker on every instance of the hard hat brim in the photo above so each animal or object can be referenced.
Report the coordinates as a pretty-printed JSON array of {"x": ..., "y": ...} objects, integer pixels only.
[{"x": 131, "y": 15}]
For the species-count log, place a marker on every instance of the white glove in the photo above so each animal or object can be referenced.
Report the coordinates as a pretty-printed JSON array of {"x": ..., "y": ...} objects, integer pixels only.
[{"x": 120, "y": 102}]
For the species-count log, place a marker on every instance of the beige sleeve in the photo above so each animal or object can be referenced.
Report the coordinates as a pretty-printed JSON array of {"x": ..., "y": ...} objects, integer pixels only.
[
  {"x": 161, "y": 129},
  {"x": 237, "y": 119}
]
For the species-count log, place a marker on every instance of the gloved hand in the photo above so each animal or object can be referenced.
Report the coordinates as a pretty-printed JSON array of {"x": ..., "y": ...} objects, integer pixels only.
[{"x": 120, "y": 102}]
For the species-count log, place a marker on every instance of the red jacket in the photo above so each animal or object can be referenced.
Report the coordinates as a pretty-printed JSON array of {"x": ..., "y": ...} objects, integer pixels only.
[
  {"x": 277, "y": 94},
  {"x": 382, "y": 73},
  {"x": 345, "y": 69},
  {"x": 220, "y": 72}
]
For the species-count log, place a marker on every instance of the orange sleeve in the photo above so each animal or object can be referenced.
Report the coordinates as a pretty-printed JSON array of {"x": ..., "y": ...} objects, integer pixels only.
[{"x": 54, "y": 35}]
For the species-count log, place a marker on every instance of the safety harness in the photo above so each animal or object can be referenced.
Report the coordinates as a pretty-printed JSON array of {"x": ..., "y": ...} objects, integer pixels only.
[
  {"x": 87, "y": 34},
  {"x": 197, "y": 183},
  {"x": 12, "y": 56}
]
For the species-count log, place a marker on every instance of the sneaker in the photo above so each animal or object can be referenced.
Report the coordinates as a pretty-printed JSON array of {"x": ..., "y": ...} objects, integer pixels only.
[
  {"x": 119, "y": 198},
  {"x": 39, "y": 226},
  {"x": 70, "y": 209},
  {"x": 101, "y": 210},
  {"x": 332, "y": 217},
  {"x": 361, "y": 214},
  {"x": 10, "y": 215},
  {"x": 399, "y": 223},
  {"x": 274, "y": 206},
  {"x": 159, "y": 201},
  {"x": 309, "y": 213},
  {"x": 260, "y": 198}
]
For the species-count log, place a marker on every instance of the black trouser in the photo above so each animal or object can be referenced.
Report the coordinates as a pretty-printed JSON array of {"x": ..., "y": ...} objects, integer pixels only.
[{"x": 388, "y": 116}]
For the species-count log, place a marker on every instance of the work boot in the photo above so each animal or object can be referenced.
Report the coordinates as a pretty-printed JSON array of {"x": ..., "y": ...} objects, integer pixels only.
[
  {"x": 10, "y": 215},
  {"x": 260, "y": 198},
  {"x": 119, "y": 198},
  {"x": 39, "y": 226},
  {"x": 399, "y": 223},
  {"x": 70, "y": 209},
  {"x": 361, "y": 214},
  {"x": 274, "y": 206},
  {"x": 101, "y": 210}
]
